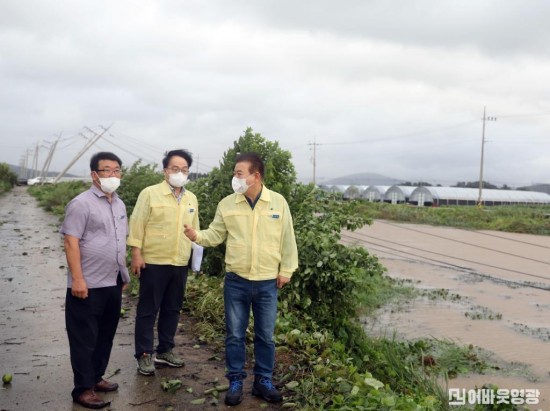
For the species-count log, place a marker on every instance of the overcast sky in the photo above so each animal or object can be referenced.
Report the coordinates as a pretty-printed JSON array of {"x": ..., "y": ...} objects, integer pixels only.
[{"x": 390, "y": 87}]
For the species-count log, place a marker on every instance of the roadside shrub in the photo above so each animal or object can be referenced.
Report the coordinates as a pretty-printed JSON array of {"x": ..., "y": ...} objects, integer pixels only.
[
  {"x": 331, "y": 277},
  {"x": 54, "y": 197},
  {"x": 8, "y": 179},
  {"x": 134, "y": 179}
]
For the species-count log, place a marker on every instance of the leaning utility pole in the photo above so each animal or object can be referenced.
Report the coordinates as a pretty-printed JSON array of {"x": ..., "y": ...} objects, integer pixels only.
[
  {"x": 35, "y": 160},
  {"x": 480, "y": 196},
  {"x": 47, "y": 162},
  {"x": 86, "y": 148}
]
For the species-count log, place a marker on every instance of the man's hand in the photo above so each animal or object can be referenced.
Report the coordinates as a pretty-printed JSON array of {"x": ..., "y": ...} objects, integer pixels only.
[
  {"x": 79, "y": 288},
  {"x": 281, "y": 281},
  {"x": 190, "y": 232},
  {"x": 138, "y": 263}
]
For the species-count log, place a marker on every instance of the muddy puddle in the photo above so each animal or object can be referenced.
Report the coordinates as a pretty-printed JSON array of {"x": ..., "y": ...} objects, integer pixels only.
[
  {"x": 493, "y": 292},
  {"x": 33, "y": 340}
]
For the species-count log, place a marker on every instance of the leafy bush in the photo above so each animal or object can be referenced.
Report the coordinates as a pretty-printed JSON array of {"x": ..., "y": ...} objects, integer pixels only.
[
  {"x": 331, "y": 277},
  {"x": 54, "y": 197},
  {"x": 8, "y": 178},
  {"x": 135, "y": 179}
]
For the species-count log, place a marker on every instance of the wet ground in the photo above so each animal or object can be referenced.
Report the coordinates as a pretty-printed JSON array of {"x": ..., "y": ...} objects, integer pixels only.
[
  {"x": 33, "y": 341},
  {"x": 495, "y": 294},
  {"x": 504, "y": 306}
]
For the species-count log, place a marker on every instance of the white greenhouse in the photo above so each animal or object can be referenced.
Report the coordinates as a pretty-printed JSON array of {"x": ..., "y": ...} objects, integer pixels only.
[
  {"x": 398, "y": 194},
  {"x": 354, "y": 192},
  {"x": 437, "y": 196},
  {"x": 375, "y": 193},
  {"x": 338, "y": 188}
]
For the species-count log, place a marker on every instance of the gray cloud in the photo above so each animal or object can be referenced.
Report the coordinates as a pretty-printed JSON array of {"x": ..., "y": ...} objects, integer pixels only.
[{"x": 393, "y": 87}]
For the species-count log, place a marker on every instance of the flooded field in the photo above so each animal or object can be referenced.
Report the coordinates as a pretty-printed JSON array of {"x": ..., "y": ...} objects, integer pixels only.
[{"x": 497, "y": 296}]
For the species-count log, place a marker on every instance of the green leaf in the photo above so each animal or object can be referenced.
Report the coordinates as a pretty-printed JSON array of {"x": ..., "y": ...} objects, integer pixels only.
[
  {"x": 373, "y": 382},
  {"x": 292, "y": 385}
]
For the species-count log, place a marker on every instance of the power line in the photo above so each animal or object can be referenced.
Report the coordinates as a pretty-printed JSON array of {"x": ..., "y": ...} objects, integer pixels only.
[
  {"x": 401, "y": 136},
  {"x": 441, "y": 254},
  {"x": 465, "y": 242}
]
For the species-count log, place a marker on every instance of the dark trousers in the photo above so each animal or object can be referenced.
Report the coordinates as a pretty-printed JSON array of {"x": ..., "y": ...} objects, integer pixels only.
[
  {"x": 91, "y": 326},
  {"x": 161, "y": 291}
]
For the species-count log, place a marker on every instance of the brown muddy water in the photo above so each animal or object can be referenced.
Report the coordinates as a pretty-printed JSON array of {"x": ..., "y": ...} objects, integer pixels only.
[
  {"x": 497, "y": 296},
  {"x": 33, "y": 340}
]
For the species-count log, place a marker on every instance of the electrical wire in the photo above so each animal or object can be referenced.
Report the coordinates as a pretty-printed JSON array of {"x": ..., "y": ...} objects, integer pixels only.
[
  {"x": 445, "y": 264},
  {"x": 462, "y": 242},
  {"x": 363, "y": 236}
]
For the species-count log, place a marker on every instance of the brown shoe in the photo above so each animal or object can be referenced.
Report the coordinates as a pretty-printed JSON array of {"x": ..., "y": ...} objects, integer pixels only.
[
  {"x": 106, "y": 386},
  {"x": 89, "y": 399}
]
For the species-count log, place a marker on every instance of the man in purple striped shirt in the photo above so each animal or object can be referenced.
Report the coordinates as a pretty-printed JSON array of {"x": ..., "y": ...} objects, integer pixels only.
[{"x": 95, "y": 229}]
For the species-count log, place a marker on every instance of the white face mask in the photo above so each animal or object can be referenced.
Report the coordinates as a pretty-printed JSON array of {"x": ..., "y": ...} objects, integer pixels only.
[
  {"x": 109, "y": 184},
  {"x": 239, "y": 185},
  {"x": 177, "y": 179}
]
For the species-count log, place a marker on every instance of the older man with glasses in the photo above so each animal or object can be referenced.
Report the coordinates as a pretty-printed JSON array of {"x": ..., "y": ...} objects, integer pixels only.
[
  {"x": 94, "y": 229},
  {"x": 160, "y": 258}
]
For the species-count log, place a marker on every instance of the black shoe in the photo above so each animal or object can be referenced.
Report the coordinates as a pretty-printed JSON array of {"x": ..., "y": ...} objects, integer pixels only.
[
  {"x": 264, "y": 388},
  {"x": 234, "y": 395}
]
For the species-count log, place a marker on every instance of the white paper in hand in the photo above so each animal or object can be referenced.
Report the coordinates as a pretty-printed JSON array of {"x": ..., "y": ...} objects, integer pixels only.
[{"x": 196, "y": 259}]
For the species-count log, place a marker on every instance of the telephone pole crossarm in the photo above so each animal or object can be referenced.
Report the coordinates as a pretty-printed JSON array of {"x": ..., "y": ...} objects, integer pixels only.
[{"x": 485, "y": 119}]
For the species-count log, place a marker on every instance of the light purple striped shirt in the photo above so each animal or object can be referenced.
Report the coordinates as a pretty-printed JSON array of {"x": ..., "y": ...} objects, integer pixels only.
[{"x": 102, "y": 228}]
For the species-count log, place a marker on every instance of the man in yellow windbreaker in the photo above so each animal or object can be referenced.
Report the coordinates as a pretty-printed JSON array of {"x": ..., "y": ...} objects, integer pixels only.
[
  {"x": 261, "y": 255},
  {"x": 160, "y": 257}
]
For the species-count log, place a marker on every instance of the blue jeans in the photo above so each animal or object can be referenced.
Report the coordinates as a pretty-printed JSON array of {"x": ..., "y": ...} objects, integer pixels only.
[{"x": 239, "y": 295}]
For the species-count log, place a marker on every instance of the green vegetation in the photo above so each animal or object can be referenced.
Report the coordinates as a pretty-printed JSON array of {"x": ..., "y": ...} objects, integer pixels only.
[
  {"x": 134, "y": 179},
  {"x": 54, "y": 197},
  {"x": 482, "y": 313},
  {"x": 8, "y": 179},
  {"x": 325, "y": 360},
  {"x": 515, "y": 219}
]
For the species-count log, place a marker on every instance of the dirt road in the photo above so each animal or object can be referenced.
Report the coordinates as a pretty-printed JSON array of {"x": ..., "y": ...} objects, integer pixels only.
[
  {"x": 34, "y": 346},
  {"x": 498, "y": 288}
]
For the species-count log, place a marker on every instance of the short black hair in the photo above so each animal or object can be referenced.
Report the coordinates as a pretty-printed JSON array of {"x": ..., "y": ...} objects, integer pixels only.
[
  {"x": 256, "y": 162},
  {"x": 103, "y": 155},
  {"x": 180, "y": 153}
]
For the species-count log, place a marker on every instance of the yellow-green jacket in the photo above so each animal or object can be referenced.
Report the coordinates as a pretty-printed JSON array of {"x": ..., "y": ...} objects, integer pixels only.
[
  {"x": 260, "y": 241},
  {"x": 156, "y": 225}
]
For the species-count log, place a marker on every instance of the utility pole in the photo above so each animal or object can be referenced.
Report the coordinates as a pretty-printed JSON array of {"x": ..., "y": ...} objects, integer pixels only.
[
  {"x": 86, "y": 148},
  {"x": 314, "y": 144},
  {"x": 485, "y": 118},
  {"x": 197, "y": 172},
  {"x": 27, "y": 169},
  {"x": 35, "y": 160},
  {"x": 46, "y": 166}
]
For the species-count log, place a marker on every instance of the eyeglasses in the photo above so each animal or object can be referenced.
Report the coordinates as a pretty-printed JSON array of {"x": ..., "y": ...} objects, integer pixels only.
[
  {"x": 110, "y": 172},
  {"x": 177, "y": 170}
]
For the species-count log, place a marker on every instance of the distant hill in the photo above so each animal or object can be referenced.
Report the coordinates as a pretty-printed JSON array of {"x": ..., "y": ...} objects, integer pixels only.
[{"x": 363, "y": 179}]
